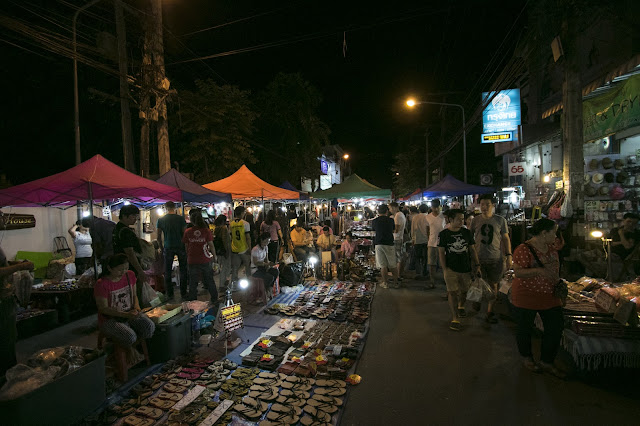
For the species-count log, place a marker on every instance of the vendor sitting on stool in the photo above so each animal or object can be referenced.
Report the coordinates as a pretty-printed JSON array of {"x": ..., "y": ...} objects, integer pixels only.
[
  {"x": 327, "y": 242},
  {"x": 625, "y": 241},
  {"x": 349, "y": 246},
  {"x": 119, "y": 316},
  {"x": 82, "y": 241},
  {"x": 260, "y": 265},
  {"x": 302, "y": 241}
]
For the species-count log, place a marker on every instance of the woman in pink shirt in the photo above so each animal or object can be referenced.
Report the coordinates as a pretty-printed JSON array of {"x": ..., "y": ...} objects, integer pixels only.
[
  {"x": 349, "y": 246},
  {"x": 119, "y": 316}
]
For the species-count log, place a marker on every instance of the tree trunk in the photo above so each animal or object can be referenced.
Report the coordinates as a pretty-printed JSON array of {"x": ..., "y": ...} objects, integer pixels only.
[{"x": 145, "y": 101}]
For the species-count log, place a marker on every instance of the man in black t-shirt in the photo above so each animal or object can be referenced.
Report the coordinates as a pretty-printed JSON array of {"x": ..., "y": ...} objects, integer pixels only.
[
  {"x": 126, "y": 241},
  {"x": 384, "y": 227},
  {"x": 456, "y": 247}
]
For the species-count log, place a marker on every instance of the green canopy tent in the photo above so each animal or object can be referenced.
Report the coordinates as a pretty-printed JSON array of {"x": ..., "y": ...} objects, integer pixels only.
[{"x": 353, "y": 187}]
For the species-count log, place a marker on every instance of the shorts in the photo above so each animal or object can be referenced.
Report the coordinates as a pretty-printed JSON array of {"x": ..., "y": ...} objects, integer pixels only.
[
  {"x": 457, "y": 281},
  {"x": 491, "y": 271},
  {"x": 432, "y": 256},
  {"x": 400, "y": 250},
  {"x": 386, "y": 256}
]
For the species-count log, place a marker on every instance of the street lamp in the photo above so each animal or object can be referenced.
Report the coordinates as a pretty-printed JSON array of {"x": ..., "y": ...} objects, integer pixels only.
[
  {"x": 346, "y": 156},
  {"x": 412, "y": 103}
]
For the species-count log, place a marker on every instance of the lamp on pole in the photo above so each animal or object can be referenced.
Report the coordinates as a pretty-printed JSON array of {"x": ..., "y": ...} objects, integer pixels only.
[
  {"x": 76, "y": 106},
  {"x": 412, "y": 103}
]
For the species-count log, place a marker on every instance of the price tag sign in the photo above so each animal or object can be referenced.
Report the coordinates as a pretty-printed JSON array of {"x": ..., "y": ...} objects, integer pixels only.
[
  {"x": 231, "y": 317},
  {"x": 217, "y": 413}
]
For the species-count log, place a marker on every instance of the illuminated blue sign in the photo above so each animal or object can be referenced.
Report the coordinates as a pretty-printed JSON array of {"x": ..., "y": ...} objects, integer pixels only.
[
  {"x": 324, "y": 167},
  {"x": 503, "y": 112}
]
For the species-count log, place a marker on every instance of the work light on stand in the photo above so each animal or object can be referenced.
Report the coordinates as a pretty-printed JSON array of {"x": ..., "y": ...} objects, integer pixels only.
[{"x": 606, "y": 245}]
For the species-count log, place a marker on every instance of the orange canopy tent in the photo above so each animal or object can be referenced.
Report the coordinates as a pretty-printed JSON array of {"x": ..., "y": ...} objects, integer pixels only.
[{"x": 243, "y": 184}]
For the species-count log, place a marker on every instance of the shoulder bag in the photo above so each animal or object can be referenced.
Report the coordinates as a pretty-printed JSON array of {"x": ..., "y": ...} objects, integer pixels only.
[{"x": 560, "y": 289}]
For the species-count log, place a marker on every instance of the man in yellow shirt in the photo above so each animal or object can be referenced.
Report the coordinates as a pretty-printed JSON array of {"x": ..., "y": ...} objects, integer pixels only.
[
  {"x": 240, "y": 242},
  {"x": 302, "y": 242},
  {"x": 327, "y": 242}
]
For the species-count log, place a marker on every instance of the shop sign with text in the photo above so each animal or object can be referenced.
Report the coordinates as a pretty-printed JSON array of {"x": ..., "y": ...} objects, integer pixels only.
[
  {"x": 613, "y": 111},
  {"x": 497, "y": 137},
  {"x": 16, "y": 221},
  {"x": 502, "y": 114}
]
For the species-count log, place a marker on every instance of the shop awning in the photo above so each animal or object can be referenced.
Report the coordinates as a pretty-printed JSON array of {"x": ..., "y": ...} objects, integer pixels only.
[
  {"x": 288, "y": 185},
  {"x": 618, "y": 71},
  {"x": 413, "y": 196},
  {"x": 191, "y": 191},
  {"x": 353, "y": 187},
  {"x": 243, "y": 184},
  {"x": 452, "y": 187},
  {"x": 95, "y": 179}
]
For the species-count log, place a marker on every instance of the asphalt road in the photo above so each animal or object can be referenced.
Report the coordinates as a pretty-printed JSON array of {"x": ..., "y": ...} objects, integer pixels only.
[{"x": 415, "y": 371}]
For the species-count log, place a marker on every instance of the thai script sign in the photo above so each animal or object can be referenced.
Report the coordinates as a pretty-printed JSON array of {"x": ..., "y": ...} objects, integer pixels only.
[{"x": 502, "y": 114}]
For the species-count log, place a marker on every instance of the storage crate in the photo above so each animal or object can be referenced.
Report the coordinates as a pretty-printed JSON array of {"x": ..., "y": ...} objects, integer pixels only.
[
  {"x": 64, "y": 401},
  {"x": 171, "y": 339}
]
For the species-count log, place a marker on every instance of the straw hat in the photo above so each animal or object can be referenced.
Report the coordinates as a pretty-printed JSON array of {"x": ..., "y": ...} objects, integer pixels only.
[
  {"x": 598, "y": 178},
  {"x": 603, "y": 190},
  {"x": 618, "y": 164},
  {"x": 607, "y": 163},
  {"x": 593, "y": 164},
  {"x": 587, "y": 178}
]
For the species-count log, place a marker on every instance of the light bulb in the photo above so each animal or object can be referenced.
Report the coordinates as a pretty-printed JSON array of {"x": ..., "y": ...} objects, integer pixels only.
[{"x": 243, "y": 283}]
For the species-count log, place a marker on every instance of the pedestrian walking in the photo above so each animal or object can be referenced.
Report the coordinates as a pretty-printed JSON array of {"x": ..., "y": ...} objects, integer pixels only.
[
  {"x": 240, "y": 243},
  {"x": 436, "y": 223},
  {"x": 400, "y": 222},
  {"x": 272, "y": 226},
  {"x": 458, "y": 258},
  {"x": 420, "y": 239},
  {"x": 384, "y": 227},
  {"x": 200, "y": 253},
  {"x": 537, "y": 271},
  {"x": 222, "y": 244},
  {"x": 494, "y": 248},
  {"x": 171, "y": 228}
]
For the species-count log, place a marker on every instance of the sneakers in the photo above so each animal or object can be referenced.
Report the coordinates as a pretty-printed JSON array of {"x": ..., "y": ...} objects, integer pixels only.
[{"x": 491, "y": 318}]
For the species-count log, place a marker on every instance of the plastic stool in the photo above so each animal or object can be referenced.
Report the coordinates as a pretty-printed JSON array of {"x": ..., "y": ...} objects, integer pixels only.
[{"x": 120, "y": 355}]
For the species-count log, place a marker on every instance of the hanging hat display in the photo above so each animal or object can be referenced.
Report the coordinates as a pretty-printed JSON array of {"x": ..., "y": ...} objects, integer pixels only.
[
  {"x": 593, "y": 164},
  {"x": 603, "y": 190},
  {"x": 590, "y": 190},
  {"x": 607, "y": 163},
  {"x": 608, "y": 177},
  {"x": 618, "y": 164},
  {"x": 598, "y": 178},
  {"x": 622, "y": 177}
]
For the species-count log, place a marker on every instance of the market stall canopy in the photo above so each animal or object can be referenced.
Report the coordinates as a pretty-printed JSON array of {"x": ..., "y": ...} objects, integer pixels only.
[
  {"x": 450, "y": 186},
  {"x": 243, "y": 184},
  {"x": 353, "y": 187},
  {"x": 95, "y": 179},
  {"x": 287, "y": 185},
  {"x": 191, "y": 191},
  {"x": 414, "y": 196}
]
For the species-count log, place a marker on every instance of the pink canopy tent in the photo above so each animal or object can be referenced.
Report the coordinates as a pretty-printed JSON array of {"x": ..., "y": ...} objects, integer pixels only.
[{"x": 95, "y": 179}]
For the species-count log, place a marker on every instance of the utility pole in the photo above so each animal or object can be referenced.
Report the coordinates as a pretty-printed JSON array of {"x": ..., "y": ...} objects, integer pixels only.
[
  {"x": 162, "y": 88},
  {"x": 125, "y": 119},
  {"x": 573, "y": 155},
  {"x": 426, "y": 154},
  {"x": 145, "y": 99}
]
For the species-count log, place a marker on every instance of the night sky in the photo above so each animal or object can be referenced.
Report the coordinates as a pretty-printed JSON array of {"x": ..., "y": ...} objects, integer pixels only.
[{"x": 393, "y": 49}]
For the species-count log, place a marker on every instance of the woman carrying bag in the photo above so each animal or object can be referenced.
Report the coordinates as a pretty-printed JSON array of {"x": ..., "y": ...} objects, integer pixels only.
[{"x": 535, "y": 291}]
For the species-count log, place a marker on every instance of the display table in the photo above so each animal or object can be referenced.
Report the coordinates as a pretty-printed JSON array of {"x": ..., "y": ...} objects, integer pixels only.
[
  {"x": 591, "y": 352},
  {"x": 68, "y": 303}
]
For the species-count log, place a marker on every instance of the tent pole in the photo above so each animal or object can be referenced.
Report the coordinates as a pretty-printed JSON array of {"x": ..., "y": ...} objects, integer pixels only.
[{"x": 95, "y": 259}]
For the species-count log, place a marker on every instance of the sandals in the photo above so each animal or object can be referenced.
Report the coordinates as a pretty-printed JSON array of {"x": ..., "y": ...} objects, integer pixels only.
[
  {"x": 455, "y": 326},
  {"x": 267, "y": 395},
  {"x": 328, "y": 399},
  {"x": 331, "y": 391},
  {"x": 283, "y": 418},
  {"x": 171, "y": 388},
  {"x": 138, "y": 421},
  {"x": 331, "y": 383},
  {"x": 175, "y": 397},
  {"x": 163, "y": 404},
  {"x": 181, "y": 382},
  {"x": 295, "y": 386},
  {"x": 324, "y": 406},
  {"x": 153, "y": 413},
  {"x": 316, "y": 414}
]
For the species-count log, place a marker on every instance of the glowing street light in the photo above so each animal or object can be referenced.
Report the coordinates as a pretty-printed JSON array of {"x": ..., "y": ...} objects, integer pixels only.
[
  {"x": 546, "y": 179},
  {"x": 346, "y": 156},
  {"x": 412, "y": 102}
]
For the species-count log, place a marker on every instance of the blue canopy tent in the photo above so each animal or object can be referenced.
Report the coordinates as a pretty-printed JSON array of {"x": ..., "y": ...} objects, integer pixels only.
[
  {"x": 452, "y": 187},
  {"x": 191, "y": 191},
  {"x": 287, "y": 185}
]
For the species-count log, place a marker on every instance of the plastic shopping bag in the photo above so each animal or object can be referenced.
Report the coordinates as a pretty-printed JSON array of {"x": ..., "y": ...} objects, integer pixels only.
[
  {"x": 486, "y": 289},
  {"x": 474, "y": 294},
  {"x": 148, "y": 294}
]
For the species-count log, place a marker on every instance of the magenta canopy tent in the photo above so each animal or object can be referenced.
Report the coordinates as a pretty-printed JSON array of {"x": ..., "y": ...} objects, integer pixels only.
[{"x": 94, "y": 179}]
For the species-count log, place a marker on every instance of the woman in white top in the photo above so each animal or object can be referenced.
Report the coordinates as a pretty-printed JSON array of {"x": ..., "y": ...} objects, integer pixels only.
[
  {"x": 261, "y": 267},
  {"x": 82, "y": 241}
]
